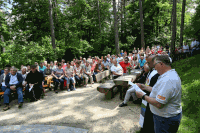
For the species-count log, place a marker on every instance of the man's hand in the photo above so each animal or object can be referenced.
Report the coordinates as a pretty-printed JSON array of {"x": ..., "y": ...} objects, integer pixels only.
[
  {"x": 30, "y": 85},
  {"x": 139, "y": 94},
  {"x": 141, "y": 86},
  {"x": 12, "y": 88},
  {"x": 79, "y": 76}
]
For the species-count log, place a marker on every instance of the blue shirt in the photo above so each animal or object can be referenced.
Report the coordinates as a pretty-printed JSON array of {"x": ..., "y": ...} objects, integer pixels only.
[
  {"x": 142, "y": 62},
  {"x": 122, "y": 54},
  {"x": 42, "y": 69}
]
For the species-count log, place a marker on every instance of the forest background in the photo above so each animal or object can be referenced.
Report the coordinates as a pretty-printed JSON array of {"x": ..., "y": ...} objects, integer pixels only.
[{"x": 35, "y": 30}]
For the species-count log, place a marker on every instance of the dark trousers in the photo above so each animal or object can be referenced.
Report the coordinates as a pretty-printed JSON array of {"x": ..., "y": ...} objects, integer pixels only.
[
  {"x": 148, "y": 125},
  {"x": 94, "y": 78},
  {"x": 57, "y": 81},
  {"x": 35, "y": 93},
  {"x": 78, "y": 79},
  {"x": 114, "y": 77},
  {"x": 166, "y": 125}
]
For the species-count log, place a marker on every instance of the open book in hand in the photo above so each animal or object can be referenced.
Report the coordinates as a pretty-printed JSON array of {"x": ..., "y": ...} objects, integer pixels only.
[{"x": 136, "y": 87}]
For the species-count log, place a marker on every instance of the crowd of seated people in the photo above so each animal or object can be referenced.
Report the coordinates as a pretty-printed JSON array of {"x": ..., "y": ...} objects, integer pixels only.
[{"x": 79, "y": 72}]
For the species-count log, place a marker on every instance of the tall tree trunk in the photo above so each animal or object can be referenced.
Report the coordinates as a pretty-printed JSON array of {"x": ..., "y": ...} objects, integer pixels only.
[
  {"x": 99, "y": 16},
  {"x": 116, "y": 28},
  {"x": 121, "y": 37},
  {"x": 51, "y": 25},
  {"x": 173, "y": 31},
  {"x": 141, "y": 24},
  {"x": 182, "y": 22}
]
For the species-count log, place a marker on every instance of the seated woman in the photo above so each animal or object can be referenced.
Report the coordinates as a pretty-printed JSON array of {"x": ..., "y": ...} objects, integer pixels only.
[
  {"x": 98, "y": 68},
  {"x": 134, "y": 63},
  {"x": 116, "y": 69},
  {"x": 69, "y": 76},
  {"x": 78, "y": 73},
  {"x": 87, "y": 73},
  {"x": 58, "y": 77},
  {"x": 48, "y": 74},
  {"x": 24, "y": 74},
  {"x": 105, "y": 63}
]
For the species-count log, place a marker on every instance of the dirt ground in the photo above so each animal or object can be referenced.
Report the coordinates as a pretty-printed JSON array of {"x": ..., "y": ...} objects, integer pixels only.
[{"x": 84, "y": 108}]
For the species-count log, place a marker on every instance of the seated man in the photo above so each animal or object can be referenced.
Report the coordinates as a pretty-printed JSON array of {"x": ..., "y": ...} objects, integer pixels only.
[
  {"x": 13, "y": 82},
  {"x": 34, "y": 84},
  {"x": 124, "y": 64},
  {"x": 48, "y": 74},
  {"x": 141, "y": 62},
  {"x": 2, "y": 79},
  {"x": 58, "y": 77},
  {"x": 131, "y": 91},
  {"x": 69, "y": 76},
  {"x": 116, "y": 69},
  {"x": 42, "y": 67},
  {"x": 87, "y": 73}
]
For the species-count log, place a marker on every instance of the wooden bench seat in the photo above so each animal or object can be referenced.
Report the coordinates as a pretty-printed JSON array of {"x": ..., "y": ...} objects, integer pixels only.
[
  {"x": 1, "y": 93},
  {"x": 102, "y": 75},
  {"x": 108, "y": 88}
]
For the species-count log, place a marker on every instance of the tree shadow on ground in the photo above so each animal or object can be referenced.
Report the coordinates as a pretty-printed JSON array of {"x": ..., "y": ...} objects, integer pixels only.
[{"x": 84, "y": 108}]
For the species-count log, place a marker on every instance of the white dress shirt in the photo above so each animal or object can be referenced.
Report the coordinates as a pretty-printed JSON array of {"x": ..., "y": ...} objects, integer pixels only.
[{"x": 13, "y": 79}]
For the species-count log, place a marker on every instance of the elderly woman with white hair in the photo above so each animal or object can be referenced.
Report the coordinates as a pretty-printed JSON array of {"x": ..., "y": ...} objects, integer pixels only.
[
  {"x": 24, "y": 74},
  {"x": 116, "y": 69}
]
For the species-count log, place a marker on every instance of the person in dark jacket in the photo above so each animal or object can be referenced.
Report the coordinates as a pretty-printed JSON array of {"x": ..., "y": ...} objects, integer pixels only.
[
  {"x": 34, "y": 84},
  {"x": 148, "y": 124},
  {"x": 13, "y": 82}
]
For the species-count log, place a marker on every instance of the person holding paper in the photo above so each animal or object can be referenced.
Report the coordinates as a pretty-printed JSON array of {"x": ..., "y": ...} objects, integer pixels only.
[
  {"x": 146, "y": 117},
  {"x": 34, "y": 84},
  {"x": 131, "y": 91},
  {"x": 165, "y": 97}
]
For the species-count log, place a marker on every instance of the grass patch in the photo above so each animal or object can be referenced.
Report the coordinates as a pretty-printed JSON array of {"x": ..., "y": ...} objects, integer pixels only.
[{"x": 189, "y": 72}]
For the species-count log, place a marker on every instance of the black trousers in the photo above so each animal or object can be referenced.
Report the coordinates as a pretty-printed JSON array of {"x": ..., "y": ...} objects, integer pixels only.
[
  {"x": 148, "y": 125},
  {"x": 114, "y": 77},
  {"x": 35, "y": 93}
]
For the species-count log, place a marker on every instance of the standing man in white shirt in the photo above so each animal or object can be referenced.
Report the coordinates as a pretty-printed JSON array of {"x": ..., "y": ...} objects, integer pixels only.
[
  {"x": 185, "y": 50},
  {"x": 165, "y": 97},
  {"x": 116, "y": 69},
  {"x": 193, "y": 47}
]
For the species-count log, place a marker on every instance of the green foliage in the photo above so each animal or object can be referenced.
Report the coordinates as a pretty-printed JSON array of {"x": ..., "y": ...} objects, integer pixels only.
[
  {"x": 77, "y": 32},
  {"x": 189, "y": 72}
]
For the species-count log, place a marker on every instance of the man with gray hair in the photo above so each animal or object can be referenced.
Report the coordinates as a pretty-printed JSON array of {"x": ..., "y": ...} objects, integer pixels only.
[
  {"x": 165, "y": 97},
  {"x": 13, "y": 82}
]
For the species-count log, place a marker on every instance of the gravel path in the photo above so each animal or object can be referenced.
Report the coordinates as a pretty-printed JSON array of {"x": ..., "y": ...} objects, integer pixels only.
[{"x": 84, "y": 108}]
